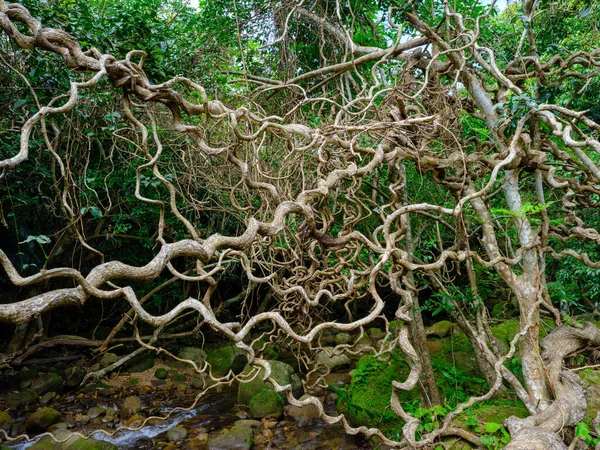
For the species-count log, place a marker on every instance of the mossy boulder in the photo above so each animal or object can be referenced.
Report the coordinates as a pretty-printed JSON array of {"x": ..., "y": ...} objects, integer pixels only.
[
  {"x": 74, "y": 376},
  {"x": 281, "y": 372},
  {"x": 43, "y": 445},
  {"x": 227, "y": 358},
  {"x": 266, "y": 404},
  {"x": 140, "y": 363},
  {"x": 161, "y": 373},
  {"x": 108, "y": 359},
  {"x": 92, "y": 444},
  {"x": 367, "y": 398},
  {"x": 40, "y": 420},
  {"x": 194, "y": 354},
  {"x": 21, "y": 399},
  {"x": 266, "y": 349},
  {"x": 442, "y": 329},
  {"x": 591, "y": 384},
  {"x": 48, "y": 382},
  {"x": 5, "y": 421}
]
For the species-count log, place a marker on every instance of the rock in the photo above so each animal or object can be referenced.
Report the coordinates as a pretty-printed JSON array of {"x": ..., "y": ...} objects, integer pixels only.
[
  {"x": 140, "y": 363},
  {"x": 232, "y": 439},
  {"x": 58, "y": 426},
  {"x": 176, "y": 434},
  {"x": 81, "y": 419},
  {"x": 303, "y": 415},
  {"x": 92, "y": 444},
  {"x": 179, "y": 378},
  {"x": 247, "y": 423},
  {"x": 74, "y": 376},
  {"x": 194, "y": 354},
  {"x": 131, "y": 406},
  {"x": 134, "y": 421},
  {"x": 227, "y": 358},
  {"x": 26, "y": 374},
  {"x": 434, "y": 346},
  {"x": 22, "y": 399},
  {"x": 161, "y": 373},
  {"x": 5, "y": 421},
  {"x": 95, "y": 411},
  {"x": 333, "y": 362},
  {"x": 48, "y": 382},
  {"x": 376, "y": 334},
  {"x": 111, "y": 412},
  {"x": 108, "y": 359},
  {"x": 47, "y": 398},
  {"x": 281, "y": 372},
  {"x": 591, "y": 384},
  {"x": 40, "y": 420},
  {"x": 266, "y": 404},
  {"x": 441, "y": 329},
  {"x": 342, "y": 338},
  {"x": 199, "y": 441},
  {"x": 43, "y": 445},
  {"x": 198, "y": 383},
  {"x": 70, "y": 420}
]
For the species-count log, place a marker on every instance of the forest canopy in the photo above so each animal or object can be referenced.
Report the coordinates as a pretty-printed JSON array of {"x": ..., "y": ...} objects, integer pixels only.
[{"x": 330, "y": 177}]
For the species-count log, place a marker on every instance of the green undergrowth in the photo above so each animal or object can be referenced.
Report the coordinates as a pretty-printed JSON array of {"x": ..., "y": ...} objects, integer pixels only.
[{"x": 366, "y": 400}]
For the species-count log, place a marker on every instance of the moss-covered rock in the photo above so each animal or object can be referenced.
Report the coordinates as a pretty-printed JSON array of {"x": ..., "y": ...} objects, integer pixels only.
[
  {"x": 227, "y": 358},
  {"x": 197, "y": 355},
  {"x": 591, "y": 384},
  {"x": 5, "y": 421},
  {"x": 43, "y": 445},
  {"x": 21, "y": 399},
  {"x": 40, "y": 420},
  {"x": 441, "y": 329},
  {"x": 92, "y": 444},
  {"x": 48, "y": 382},
  {"x": 266, "y": 404},
  {"x": 281, "y": 372},
  {"x": 74, "y": 376},
  {"x": 367, "y": 399},
  {"x": 238, "y": 438},
  {"x": 161, "y": 373}
]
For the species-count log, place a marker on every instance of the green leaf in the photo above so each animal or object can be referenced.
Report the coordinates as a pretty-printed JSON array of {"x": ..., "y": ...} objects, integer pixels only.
[
  {"x": 96, "y": 212},
  {"x": 19, "y": 103},
  {"x": 492, "y": 427},
  {"x": 582, "y": 430},
  {"x": 472, "y": 422}
]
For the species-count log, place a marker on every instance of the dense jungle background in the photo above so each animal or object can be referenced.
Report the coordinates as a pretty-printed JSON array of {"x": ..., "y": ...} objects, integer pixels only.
[{"x": 308, "y": 224}]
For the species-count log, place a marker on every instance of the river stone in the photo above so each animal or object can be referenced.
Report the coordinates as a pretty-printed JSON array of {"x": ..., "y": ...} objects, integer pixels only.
[
  {"x": 40, "y": 420},
  {"x": 176, "y": 434},
  {"x": 131, "y": 406},
  {"x": 267, "y": 404},
  {"x": 281, "y": 372},
  {"x": 303, "y": 415},
  {"x": 47, "y": 398},
  {"x": 48, "y": 382},
  {"x": 81, "y": 419},
  {"x": 342, "y": 338},
  {"x": 5, "y": 421},
  {"x": 95, "y": 411},
  {"x": 92, "y": 444},
  {"x": 247, "y": 423},
  {"x": 376, "y": 334},
  {"x": 232, "y": 439},
  {"x": 22, "y": 399},
  {"x": 227, "y": 358},
  {"x": 194, "y": 354},
  {"x": 161, "y": 373},
  {"x": 441, "y": 329},
  {"x": 108, "y": 359},
  {"x": 74, "y": 376},
  {"x": 198, "y": 383},
  {"x": 333, "y": 362}
]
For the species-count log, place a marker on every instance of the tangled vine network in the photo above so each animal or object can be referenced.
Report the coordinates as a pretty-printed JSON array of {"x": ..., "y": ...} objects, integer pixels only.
[{"x": 323, "y": 207}]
